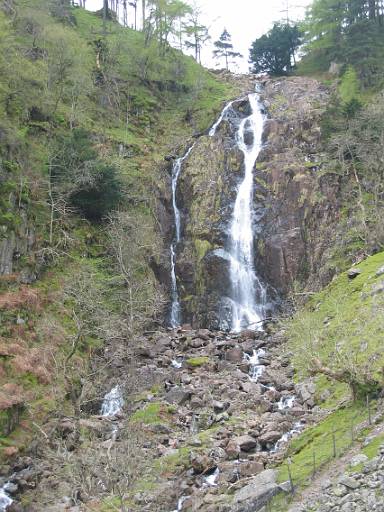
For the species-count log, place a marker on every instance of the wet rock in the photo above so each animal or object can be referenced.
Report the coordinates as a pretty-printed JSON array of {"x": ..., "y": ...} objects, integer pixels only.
[
  {"x": 12, "y": 488},
  {"x": 205, "y": 334}
]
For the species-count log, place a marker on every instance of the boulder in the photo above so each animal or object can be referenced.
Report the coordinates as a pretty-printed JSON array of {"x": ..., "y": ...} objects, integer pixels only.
[
  {"x": 349, "y": 482},
  {"x": 353, "y": 273},
  {"x": 270, "y": 437},
  {"x": 257, "y": 493},
  {"x": 178, "y": 396},
  {"x": 246, "y": 443},
  {"x": 232, "y": 450},
  {"x": 234, "y": 355}
]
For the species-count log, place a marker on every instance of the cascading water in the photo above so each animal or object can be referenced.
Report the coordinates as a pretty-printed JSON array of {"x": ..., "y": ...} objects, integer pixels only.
[
  {"x": 5, "y": 500},
  {"x": 248, "y": 293},
  {"x": 223, "y": 114},
  {"x": 175, "y": 316},
  {"x": 255, "y": 368},
  {"x": 113, "y": 402}
]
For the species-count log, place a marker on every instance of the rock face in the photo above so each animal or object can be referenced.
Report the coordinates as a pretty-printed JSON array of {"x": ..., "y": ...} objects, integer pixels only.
[{"x": 294, "y": 207}]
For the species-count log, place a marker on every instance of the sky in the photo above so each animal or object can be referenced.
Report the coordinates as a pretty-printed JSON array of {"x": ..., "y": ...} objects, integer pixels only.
[{"x": 246, "y": 20}]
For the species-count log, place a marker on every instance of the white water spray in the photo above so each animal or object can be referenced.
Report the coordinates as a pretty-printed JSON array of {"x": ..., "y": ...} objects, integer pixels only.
[
  {"x": 175, "y": 316},
  {"x": 113, "y": 402},
  {"x": 286, "y": 402},
  {"x": 248, "y": 293},
  {"x": 5, "y": 499},
  {"x": 223, "y": 114},
  {"x": 255, "y": 369}
]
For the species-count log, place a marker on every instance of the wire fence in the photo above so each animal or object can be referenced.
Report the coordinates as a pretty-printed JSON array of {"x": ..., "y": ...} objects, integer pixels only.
[{"x": 309, "y": 453}]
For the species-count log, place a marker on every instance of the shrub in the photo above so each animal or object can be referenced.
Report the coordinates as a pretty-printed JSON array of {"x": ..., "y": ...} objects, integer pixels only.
[{"x": 89, "y": 184}]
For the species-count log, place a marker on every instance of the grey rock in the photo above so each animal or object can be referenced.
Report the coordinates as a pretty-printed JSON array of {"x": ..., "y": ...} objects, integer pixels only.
[
  {"x": 257, "y": 493},
  {"x": 246, "y": 443},
  {"x": 353, "y": 273},
  {"x": 358, "y": 459},
  {"x": 178, "y": 396}
]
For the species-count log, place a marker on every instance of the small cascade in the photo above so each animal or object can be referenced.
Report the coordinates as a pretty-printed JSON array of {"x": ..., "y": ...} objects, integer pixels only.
[
  {"x": 175, "y": 363},
  {"x": 212, "y": 478},
  {"x": 180, "y": 503},
  {"x": 175, "y": 315},
  {"x": 297, "y": 428},
  {"x": 113, "y": 402},
  {"x": 248, "y": 294},
  {"x": 5, "y": 499},
  {"x": 256, "y": 369},
  {"x": 223, "y": 114},
  {"x": 286, "y": 402}
]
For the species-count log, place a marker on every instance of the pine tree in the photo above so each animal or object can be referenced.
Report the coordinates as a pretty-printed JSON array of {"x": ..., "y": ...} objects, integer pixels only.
[{"x": 224, "y": 48}]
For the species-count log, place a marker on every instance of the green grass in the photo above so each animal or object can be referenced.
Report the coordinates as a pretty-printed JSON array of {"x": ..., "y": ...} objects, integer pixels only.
[
  {"x": 342, "y": 327},
  {"x": 152, "y": 413},
  {"x": 195, "y": 362},
  {"x": 318, "y": 440}
]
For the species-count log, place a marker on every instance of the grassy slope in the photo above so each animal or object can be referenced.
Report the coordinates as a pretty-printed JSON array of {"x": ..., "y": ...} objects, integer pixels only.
[{"x": 340, "y": 324}]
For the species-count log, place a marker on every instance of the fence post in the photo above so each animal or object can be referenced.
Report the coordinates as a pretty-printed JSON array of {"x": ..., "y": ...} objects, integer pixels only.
[
  {"x": 289, "y": 462},
  {"x": 369, "y": 411},
  {"x": 314, "y": 463},
  {"x": 334, "y": 442}
]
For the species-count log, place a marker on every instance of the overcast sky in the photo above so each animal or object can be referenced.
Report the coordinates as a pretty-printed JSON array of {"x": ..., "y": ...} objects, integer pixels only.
[{"x": 244, "y": 19}]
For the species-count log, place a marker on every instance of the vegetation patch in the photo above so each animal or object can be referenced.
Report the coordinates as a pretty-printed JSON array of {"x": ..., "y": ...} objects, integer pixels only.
[
  {"x": 195, "y": 362},
  {"x": 152, "y": 413},
  {"x": 320, "y": 443},
  {"x": 338, "y": 335}
]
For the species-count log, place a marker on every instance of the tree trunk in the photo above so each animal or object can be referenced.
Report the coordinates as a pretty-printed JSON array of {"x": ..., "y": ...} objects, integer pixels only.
[
  {"x": 105, "y": 12},
  {"x": 372, "y": 9},
  {"x": 143, "y": 13}
]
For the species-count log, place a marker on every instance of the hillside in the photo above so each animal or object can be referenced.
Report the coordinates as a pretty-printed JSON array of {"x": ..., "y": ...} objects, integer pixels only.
[
  {"x": 191, "y": 273},
  {"x": 85, "y": 127}
]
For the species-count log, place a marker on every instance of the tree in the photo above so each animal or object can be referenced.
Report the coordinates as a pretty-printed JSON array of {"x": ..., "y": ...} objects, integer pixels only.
[
  {"x": 224, "y": 48},
  {"x": 197, "y": 34},
  {"x": 346, "y": 31},
  {"x": 274, "y": 52},
  {"x": 89, "y": 184}
]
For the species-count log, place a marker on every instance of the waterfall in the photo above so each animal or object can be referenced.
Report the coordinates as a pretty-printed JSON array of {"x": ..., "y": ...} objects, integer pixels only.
[
  {"x": 175, "y": 316},
  {"x": 113, "y": 402},
  {"x": 5, "y": 499},
  {"x": 223, "y": 114},
  {"x": 255, "y": 368},
  {"x": 248, "y": 294}
]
